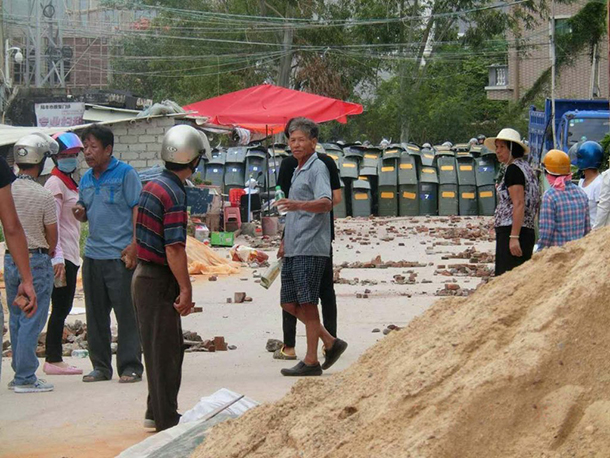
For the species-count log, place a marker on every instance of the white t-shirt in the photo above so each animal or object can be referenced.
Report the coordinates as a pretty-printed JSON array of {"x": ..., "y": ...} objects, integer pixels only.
[{"x": 592, "y": 191}]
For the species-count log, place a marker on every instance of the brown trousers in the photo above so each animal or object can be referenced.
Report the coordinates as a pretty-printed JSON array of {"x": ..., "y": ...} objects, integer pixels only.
[{"x": 154, "y": 290}]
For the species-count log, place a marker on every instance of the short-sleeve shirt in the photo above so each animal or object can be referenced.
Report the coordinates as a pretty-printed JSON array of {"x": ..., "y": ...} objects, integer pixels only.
[
  {"x": 290, "y": 164},
  {"x": 109, "y": 201},
  {"x": 162, "y": 217},
  {"x": 36, "y": 209},
  {"x": 307, "y": 233},
  {"x": 592, "y": 190},
  {"x": 6, "y": 174}
]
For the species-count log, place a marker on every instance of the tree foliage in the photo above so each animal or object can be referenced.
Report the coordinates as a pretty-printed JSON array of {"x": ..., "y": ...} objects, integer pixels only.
[{"x": 418, "y": 66}]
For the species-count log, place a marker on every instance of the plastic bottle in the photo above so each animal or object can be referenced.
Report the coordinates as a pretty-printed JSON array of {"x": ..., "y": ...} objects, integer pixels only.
[
  {"x": 279, "y": 194},
  {"x": 80, "y": 353},
  {"x": 271, "y": 274}
]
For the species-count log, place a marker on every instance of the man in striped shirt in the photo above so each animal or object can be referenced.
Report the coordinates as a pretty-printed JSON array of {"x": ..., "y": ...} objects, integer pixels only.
[
  {"x": 564, "y": 213},
  {"x": 36, "y": 209},
  {"x": 161, "y": 287}
]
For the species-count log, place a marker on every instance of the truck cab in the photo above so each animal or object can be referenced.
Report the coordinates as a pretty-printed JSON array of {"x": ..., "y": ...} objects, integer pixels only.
[{"x": 574, "y": 119}]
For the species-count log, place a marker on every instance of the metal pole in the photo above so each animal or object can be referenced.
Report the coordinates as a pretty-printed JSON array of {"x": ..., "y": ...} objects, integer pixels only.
[
  {"x": 38, "y": 48},
  {"x": 553, "y": 73},
  {"x": 267, "y": 161}
]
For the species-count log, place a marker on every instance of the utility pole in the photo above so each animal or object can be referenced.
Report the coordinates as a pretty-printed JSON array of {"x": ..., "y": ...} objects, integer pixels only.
[
  {"x": 553, "y": 73},
  {"x": 286, "y": 60}
]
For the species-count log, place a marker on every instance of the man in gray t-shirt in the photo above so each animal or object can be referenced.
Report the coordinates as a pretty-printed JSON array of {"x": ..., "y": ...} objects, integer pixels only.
[{"x": 306, "y": 246}]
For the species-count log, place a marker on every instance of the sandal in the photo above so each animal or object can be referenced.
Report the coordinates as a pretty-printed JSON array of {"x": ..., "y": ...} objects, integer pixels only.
[
  {"x": 130, "y": 378},
  {"x": 279, "y": 354},
  {"x": 95, "y": 376}
]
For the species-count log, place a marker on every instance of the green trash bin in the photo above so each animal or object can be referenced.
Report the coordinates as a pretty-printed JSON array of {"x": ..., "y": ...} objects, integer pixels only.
[
  {"x": 349, "y": 164},
  {"x": 361, "y": 198},
  {"x": 340, "y": 210},
  {"x": 467, "y": 185},
  {"x": 448, "y": 184},
  {"x": 408, "y": 191},
  {"x": 371, "y": 157},
  {"x": 427, "y": 157},
  {"x": 334, "y": 151},
  {"x": 428, "y": 191},
  {"x": 486, "y": 170},
  {"x": 388, "y": 183},
  {"x": 370, "y": 173}
]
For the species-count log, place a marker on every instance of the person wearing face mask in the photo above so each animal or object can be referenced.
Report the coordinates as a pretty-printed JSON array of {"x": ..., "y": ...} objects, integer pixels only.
[
  {"x": 564, "y": 213},
  {"x": 66, "y": 261},
  {"x": 518, "y": 202}
]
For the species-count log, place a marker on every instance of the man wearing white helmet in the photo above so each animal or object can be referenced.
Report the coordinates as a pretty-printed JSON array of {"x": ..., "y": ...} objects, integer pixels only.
[
  {"x": 36, "y": 209},
  {"x": 161, "y": 287}
]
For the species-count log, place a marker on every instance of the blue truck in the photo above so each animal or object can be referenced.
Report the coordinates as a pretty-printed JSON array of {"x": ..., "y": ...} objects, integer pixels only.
[{"x": 574, "y": 119}]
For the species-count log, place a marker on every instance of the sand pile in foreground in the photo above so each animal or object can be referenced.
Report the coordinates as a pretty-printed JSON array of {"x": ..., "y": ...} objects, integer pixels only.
[{"x": 519, "y": 369}]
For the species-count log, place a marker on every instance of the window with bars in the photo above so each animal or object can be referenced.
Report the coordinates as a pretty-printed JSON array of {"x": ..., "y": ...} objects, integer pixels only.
[{"x": 498, "y": 75}]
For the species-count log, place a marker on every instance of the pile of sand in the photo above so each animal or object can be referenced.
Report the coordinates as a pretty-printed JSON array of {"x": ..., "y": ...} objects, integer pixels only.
[{"x": 519, "y": 369}]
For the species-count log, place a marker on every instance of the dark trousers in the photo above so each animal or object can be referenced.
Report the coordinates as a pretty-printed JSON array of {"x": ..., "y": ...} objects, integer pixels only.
[
  {"x": 329, "y": 308},
  {"x": 107, "y": 285},
  {"x": 154, "y": 291},
  {"x": 505, "y": 261},
  {"x": 61, "y": 300}
]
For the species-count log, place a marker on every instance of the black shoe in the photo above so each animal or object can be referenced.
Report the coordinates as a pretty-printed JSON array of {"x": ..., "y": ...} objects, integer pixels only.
[
  {"x": 333, "y": 354},
  {"x": 302, "y": 370}
]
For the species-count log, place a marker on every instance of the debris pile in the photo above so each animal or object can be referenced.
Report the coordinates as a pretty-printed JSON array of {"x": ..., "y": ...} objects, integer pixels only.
[
  {"x": 377, "y": 263},
  {"x": 518, "y": 369},
  {"x": 194, "y": 342}
]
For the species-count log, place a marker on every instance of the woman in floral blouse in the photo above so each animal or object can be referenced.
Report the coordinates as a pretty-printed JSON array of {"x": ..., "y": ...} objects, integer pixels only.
[{"x": 518, "y": 202}]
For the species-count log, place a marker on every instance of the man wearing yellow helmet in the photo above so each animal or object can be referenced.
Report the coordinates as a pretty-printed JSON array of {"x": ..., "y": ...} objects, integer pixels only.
[{"x": 564, "y": 213}]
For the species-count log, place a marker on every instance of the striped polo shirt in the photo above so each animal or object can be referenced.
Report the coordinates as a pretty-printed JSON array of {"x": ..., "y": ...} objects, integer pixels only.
[
  {"x": 162, "y": 217},
  {"x": 36, "y": 209}
]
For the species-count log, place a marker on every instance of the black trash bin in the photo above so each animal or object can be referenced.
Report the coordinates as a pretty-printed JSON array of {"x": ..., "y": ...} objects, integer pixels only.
[
  {"x": 215, "y": 169},
  {"x": 235, "y": 168},
  {"x": 448, "y": 184},
  {"x": 486, "y": 170}
]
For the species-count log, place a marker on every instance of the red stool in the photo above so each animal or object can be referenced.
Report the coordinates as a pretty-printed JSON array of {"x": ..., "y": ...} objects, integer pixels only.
[{"x": 232, "y": 217}]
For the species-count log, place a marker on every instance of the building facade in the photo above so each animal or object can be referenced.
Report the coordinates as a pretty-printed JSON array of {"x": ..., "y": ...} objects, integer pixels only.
[{"x": 585, "y": 79}]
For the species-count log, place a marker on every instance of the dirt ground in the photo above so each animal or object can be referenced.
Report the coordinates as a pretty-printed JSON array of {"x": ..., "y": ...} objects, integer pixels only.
[{"x": 102, "y": 419}]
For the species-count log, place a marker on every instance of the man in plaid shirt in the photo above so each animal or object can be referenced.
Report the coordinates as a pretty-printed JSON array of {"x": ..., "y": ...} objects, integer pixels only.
[{"x": 564, "y": 213}]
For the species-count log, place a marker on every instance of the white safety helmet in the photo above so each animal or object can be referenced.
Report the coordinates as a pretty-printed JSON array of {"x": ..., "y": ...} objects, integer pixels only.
[
  {"x": 426, "y": 145},
  {"x": 182, "y": 144},
  {"x": 34, "y": 148}
]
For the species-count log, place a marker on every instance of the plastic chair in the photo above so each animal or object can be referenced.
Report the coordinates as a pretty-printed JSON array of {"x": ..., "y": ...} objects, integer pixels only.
[{"x": 232, "y": 216}]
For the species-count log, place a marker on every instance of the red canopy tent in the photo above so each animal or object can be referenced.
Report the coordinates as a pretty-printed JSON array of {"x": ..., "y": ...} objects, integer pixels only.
[{"x": 267, "y": 108}]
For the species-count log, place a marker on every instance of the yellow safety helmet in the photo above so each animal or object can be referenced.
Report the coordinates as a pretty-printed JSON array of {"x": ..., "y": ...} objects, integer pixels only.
[{"x": 556, "y": 162}]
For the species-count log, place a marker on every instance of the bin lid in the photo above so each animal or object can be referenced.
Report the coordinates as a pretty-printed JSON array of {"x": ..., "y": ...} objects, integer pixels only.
[
  {"x": 218, "y": 157},
  {"x": 236, "y": 154},
  {"x": 257, "y": 151},
  {"x": 428, "y": 175},
  {"x": 354, "y": 151},
  {"x": 458, "y": 148}
]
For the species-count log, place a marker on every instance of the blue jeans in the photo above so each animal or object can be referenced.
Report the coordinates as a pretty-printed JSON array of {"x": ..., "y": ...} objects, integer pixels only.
[{"x": 25, "y": 331}]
